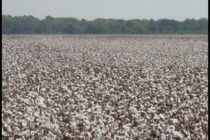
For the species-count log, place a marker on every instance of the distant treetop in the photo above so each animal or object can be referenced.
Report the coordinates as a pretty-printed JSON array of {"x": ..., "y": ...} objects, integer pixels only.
[{"x": 50, "y": 25}]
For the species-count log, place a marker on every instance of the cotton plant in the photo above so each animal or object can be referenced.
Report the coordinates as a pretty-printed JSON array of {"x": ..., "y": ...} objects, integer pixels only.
[{"x": 90, "y": 87}]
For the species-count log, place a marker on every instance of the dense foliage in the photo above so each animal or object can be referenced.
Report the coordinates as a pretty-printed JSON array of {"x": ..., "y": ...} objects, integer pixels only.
[{"x": 50, "y": 25}]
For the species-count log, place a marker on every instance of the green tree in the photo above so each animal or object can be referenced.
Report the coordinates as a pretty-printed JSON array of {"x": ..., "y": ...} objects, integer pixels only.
[{"x": 50, "y": 25}]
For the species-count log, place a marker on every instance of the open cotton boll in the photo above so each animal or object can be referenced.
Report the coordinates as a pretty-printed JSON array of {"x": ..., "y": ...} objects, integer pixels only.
[
  {"x": 177, "y": 134},
  {"x": 73, "y": 126},
  {"x": 162, "y": 116},
  {"x": 133, "y": 109},
  {"x": 174, "y": 121},
  {"x": 151, "y": 110}
]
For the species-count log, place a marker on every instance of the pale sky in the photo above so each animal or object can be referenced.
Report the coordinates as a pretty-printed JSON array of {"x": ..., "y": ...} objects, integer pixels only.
[{"x": 116, "y": 9}]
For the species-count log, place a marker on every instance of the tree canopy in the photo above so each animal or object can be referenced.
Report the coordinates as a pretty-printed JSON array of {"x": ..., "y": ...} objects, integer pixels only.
[{"x": 51, "y": 25}]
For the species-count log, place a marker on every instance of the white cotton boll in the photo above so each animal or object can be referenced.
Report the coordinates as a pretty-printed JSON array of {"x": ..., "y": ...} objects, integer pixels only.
[
  {"x": 67, "y": 135},
  {"x": 106, "y": 128},
  {"x": 78, "y": 95},
  {"x": 181, "y": 80},
  {"x": 98, "y": 132},
  {"x": 112, "y": 89},
  {"x": 46, "y": 138},
  {"x": 34, "y": 93},
  {"x": 26, "y": 132},
  {"x": 74, "y": 88},
  {"x": 177, "y": 134},
  {"x": 152, "y": 110},
  {"x": 162, "y": 137},
  {"x": 20, "y": 76},
  {"x": 174, "y": 110},
  {"x": 64, "y": 87},
  {"x": 9, "y": 129},
  {"x": 97, "y": 137},
  {"x": 19, "y": 113},
  {"x": 97, "y": 84},
  {"x": 196, "y": 131},
  {"x": 171, "y": 99},
  {"x": 30, "y": 115},
  {"x": 41, "y": 102},
  {"x": 189, "y": 89},
  {"x": 190, "y": 116},
  {"x": 133, "y": 109},
  {"x": 52, "y": 136},
  {"x": 16, "y": 129},
  {"x": 4, "y": 124},
  {"x": 73, "y": 126},
  {"x": 86, "y": 127},
  {"x": 49, "y": 126},
  {"x": 24, "y": 123},
  {"x": 29, "y": 101},
  {"x": 167, "y": 129},
  {"x": 162, "y": 116},
  {"x": 43, "y": 90},
  {"x": 203, "y": 136},
  {"x": 126, "y": 128},
  {"x": 8, "y": 121},
  {"x": 87, "y": 122},
  {"x": 113, "y": 126},
  {"x": 196, "y": 125},
  {"x": 205, "y": 125},
  {"x": 94, "y": 78},
  {"x": 133, "y": 133},
  {"x": 148, "y": 117},
  {"x": 4, "y": 133},
  {"x": 81, "y": 117},
  {"x": 178, "y": 100},
  {"x": 174, "y": 121},
  {"x": 105, "y": 93},
  {"x": 155, "y": 100},
  {"x": 202, "y": 110},
  {"x": 89, "y": 110},
  {"x": 60, "y": 118},
  {"x": 157, "y": 117},
  {"x": 156, "y": 131},
  {"x": 31, "y": 125}
]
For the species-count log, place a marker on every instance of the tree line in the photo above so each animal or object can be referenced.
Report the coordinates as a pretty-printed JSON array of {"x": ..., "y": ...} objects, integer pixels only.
[{"x": 51, "y": 25}]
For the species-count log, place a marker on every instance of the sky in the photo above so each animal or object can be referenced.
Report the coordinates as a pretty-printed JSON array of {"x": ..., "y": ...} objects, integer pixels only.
[{"x": 115, "y": 9}]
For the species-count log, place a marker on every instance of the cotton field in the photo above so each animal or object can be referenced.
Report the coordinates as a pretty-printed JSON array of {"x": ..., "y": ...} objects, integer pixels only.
[{"x": 104, "y": 87}]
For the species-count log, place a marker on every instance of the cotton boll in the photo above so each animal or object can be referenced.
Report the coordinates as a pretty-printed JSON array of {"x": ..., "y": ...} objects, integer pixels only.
[
  {"x": 174, "y": 121},
  {"x": 51, "y": 135},
  {"x": 177, "y": 134},
  {"x": 168, "y": 129},
  {"x": 105, "y": 93},
  {"x": 73, "y": 126},
  {"x": 162, "y": 137},
  {"x": 16, "y": 129},
  {"x": 24, "y": 123},
  {"x": 162, "y": 116},
  {"x": 41, "y": 102},
  {"x": 156, "y": 117},
  {"x": 126, "y": 128},
  {"x": 151, "y": 110},
  {"x": 113, "y": 126},
  {"x": 9, "y": 129},
  {"x": 98, "y": 133},
  {"x": 133, "y": 109},
  {"x": 171, "y": 99}
]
